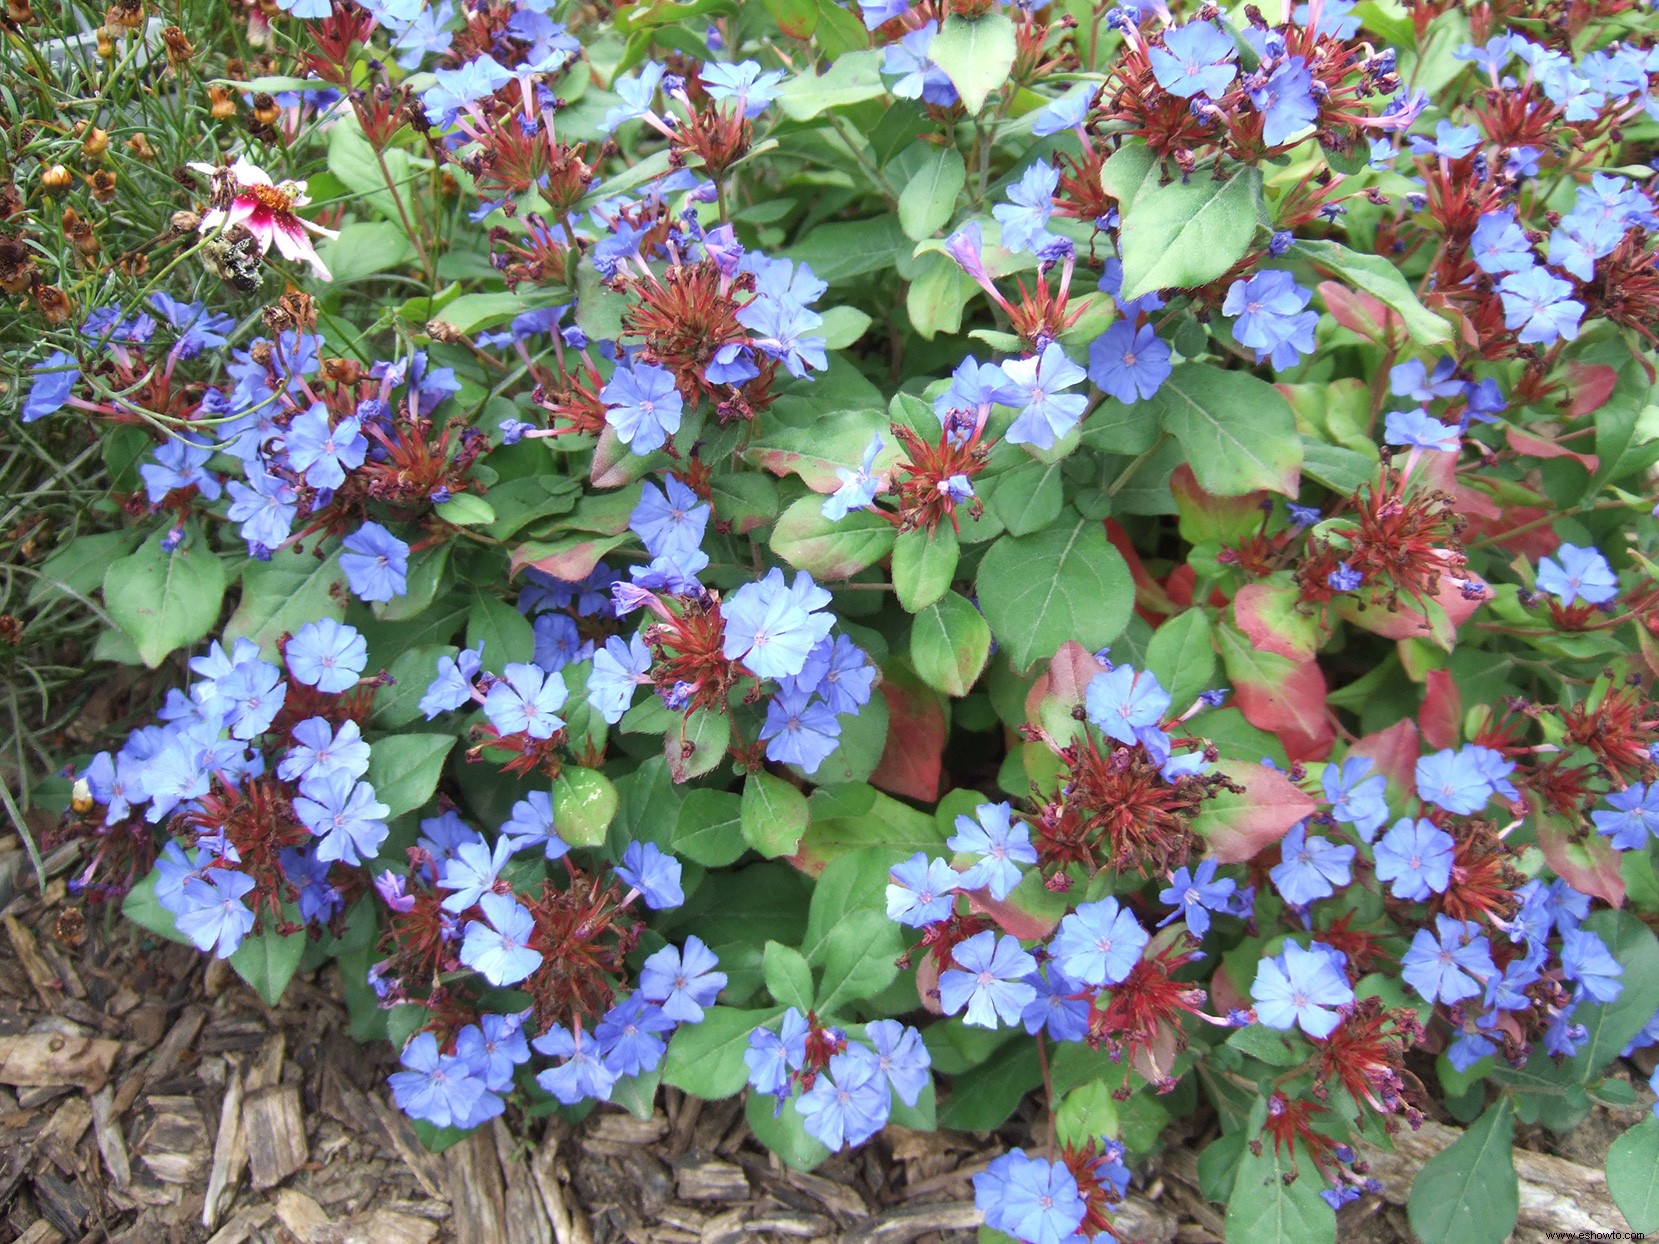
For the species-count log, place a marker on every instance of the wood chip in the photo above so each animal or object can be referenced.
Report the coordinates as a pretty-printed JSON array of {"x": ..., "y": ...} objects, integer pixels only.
[
  {"x": 174, "y": 1145},
  {"x": 699, "y": 1177},
  {"x": 476, "y": 1191},
  {"x": 385, "y": 1227},
  {"x": 230, "y": 1151},
  {"x": 523, "y": 1202},
  {"x": 63, "y": 1132},
  {"x": 112, "y": 1144},
  {"x": 243, "y": 1223},
  {"x": 570, "y": 1224},
  {"x": 39, "y": 972},
  {"x": 41, "y": 1232},
  {"x": 303, "y": 1217},
  {"x": 426, "y": 1168},
  {"x": 63, "y": 1204},
  {"x": 899, "y": 1226},
  {"x": 180, "y": 1037},
  {"x": 273, "y": 1127},
  {"x": 55, "y": 1059}
]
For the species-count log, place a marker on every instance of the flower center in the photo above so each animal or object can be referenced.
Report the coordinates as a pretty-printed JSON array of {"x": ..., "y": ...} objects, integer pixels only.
[{"x": 269, "y": 197}]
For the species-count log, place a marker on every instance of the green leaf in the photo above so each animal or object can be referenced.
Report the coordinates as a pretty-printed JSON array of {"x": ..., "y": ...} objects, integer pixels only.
[
  {"x": 859, "y": 960},
  {"x": 364, "y": 248},
  {"x": 843, "y": 326},
  {"x": 938, "y": 295},
  {"x": 165, "y": 601},
  {"x": 976, "y": 56},
  {"x": 1238, "y": 432},
  {"x": 1265, "y": 1207},
  {"x": 708, "y": 831},
  {"x": 584, "y": 804},
  {"x": 1612, "y": 1025},
  {"x": 503, "y": 630},
  {"x": 284, "y": 594},
  {"x": 706, "y": 1059},
  {"x": 520, "y": 502},
  {"x": 923, "y": 566},
  {"x": 143, "y": 909},
  {"x": 268, "y": 961},
  {"x": 1189, "y": 232},
  {"x": 1182, "y": 655},
  {"x": 850, "y": 79},
  {"x": 1088, "y": 1113},
  {"x": 1067, "y": 582},
  {"x": 949, "y": 644},
  {"x": 826, "y": 548},
  {"x": 697, "y": 744},
  {"x": 783, "y": 1132},
  {"x": 1468, "y": 1192},
  {"x": 928, "y": 201},
  {"x": 774, "y": 815},
  {"x": 1633, "y": 1175},
  {"x": 788, "y": 977},
  {"x": 1382, "y": 280},
  {"x": 1030, "y": 497},
  {"x": 466, "y": 509},
  {"x": 404, "y": 769},
  {"x": 352, "y": 159},
  {"x": 77, "y": 569}
]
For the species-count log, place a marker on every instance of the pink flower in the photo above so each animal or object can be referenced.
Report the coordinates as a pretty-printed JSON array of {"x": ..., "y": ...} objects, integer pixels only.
[{"x": 245, "y": 195}]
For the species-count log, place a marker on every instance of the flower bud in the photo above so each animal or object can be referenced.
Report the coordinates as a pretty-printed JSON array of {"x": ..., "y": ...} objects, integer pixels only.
[
  {"x": 265, "y": 110},
  {"x": 222, "y": 104},
  {"x": 56, "y": 179},
  {"x": 139, "y": 145},
  {"x": 94, "y": 142},
  {"x": 52, "y": 303},
  {"x": 102, "y": 185},
  {"x": 184, "y": 222},
  {"x": 179, "y": 50},
  {"x": 19, "y": 13}
]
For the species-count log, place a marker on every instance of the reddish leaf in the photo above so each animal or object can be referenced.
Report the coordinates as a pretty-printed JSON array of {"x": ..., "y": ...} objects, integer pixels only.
[
  {"x": 1590, "y": 866},
  {"x": 1357, "y": 312},
  {"x": 1535, "y": 536},
  {"x": 1279, "y": 695},
  {"x": 1589, "y": 385},
  {"x": 927, "y": 985},
  {"x": 914, "y": 756},
  {"x": 1066, "y": 680},
  {"x": 1536, "y": 447},
  {"x": 1150, "y": 600},
  {"x": 1026, "y": 915},
  {"x": 1236, "y": 826},
  {"x": 1393, "y": 752},
  {"x": 1225, "y": 996},
  {"x": 570, "y": 560},
  {"x": 1404, "y": 622},
  {"x": 1206, "y": 518},
  {"x": 1442, "y": 713},
  {"x": 1269, "y": 615}
]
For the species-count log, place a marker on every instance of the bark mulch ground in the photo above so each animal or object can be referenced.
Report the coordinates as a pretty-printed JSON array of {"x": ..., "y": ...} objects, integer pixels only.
[{"x": 148, "y": 1097}]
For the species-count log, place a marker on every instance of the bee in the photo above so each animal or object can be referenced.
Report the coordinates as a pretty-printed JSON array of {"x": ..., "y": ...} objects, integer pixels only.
[
  {"x": 80, "y": 798},
  {"x": 234, "y": 258}
]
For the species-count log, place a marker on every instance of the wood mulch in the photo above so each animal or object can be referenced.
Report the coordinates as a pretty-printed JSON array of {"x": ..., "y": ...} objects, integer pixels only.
[{"x": 147, "y": 1096}]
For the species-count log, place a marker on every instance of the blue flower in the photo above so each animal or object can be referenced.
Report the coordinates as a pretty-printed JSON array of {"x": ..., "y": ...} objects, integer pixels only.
[
  {"x": 1001, "y": 844},
  {"x": 345, "y": 814},
  {"x": 327, "y": 655},
  {"x": 1057, "y": 1007},
  {"x": 1195, "y": 895},
  {"x": 526, "y": 700},
  {"x": 921, "y": 891},
  {"x": 1099, "y": 944},
  {"x": 988, "y": 979},
  {"x": 435, "y": 1088},
  {"x": 879, "y": 12},
  {"x": 211, "y": 912},
  {"x": 1046, "y": 412},
  {"x": 1122, "y": 700},
  {"x": 799, "y": 730},
  {"x": 319, "y": 749},
  {"x": 255, "y": 693},
  {"x": 1066, "y": 113},
  {"x": 376, "y": 563},
  {"x": 772, "y": 627},
  {"x": 1356, "y": 799},
  {"x": 638, "y": 92},
  {"x": 744, "y": 82},
  {"x": 629, "y": 1036},
  {"x": 618, "y": 668},
  {"x": 1032, "y": 1199},
  {"x": 557, "y": 642},
  {"x": 901, "y": 1057},
  {"x": 858, "y": 488},
  {"x": 55, "y": 378},
  {"x": 655, "y": 875},
  {"x": 1586, "y": 960},
  {"x": 499, "y": 951},
  {"x": 493, "y": 1047},
  {"x": 1196, "y": 59},
  {"x": 453, "y": 685},
  {"x": 1538, "y": 305},
  {"x": 1412, "y": 379},
  {"x": 1417, "y": 429},
  {"x": 1499, "y": 245},
  {"x": 1450, "y": 964},
  {"x": 682, "y": 982},
  {"x": 781, "y": 328},
  {"x": 531, "y": 825},
  {"x": 1453, "y": 780},
  {"x": 453, "y": 89},
  {"x": 919, "y": 77},
  {"x": 322, "y": 453},
  {"x": 975, "y": 387},
  {"x": 472, "y": 872},
  {"x": 1030, "y": 204},
  {"x": 265, "y": 507},
  {"x": 1300, "y": 988},
  {"x": 840, "y": 672},
  {"x": 1272, "y": 319},
  {"x": 1129, "y": 363},
  {"x": 1310, "y": 868},
  {"x": 1416, "y": 856},
  {"x": 1580, "y": 574},
  {"x": 583, "y": 1075},
  {"x": 669, "y": 522},
  {"x": 848, "y": 1104},
  {"x": 771, "y": 1056},
  {"x": 643, "y": 405},
  {"x": 1286, "y": 102},
  {"x": 1450, "y": 142},
  {"x": 1635, "y": 818},
  {"x": 178, "y": 463}
]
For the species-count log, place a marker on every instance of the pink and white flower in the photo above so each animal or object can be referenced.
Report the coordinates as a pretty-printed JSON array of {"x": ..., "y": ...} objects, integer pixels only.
[{"x": 245, "y": 195}]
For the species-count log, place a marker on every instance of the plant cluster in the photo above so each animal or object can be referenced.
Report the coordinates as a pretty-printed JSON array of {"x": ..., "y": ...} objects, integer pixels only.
[{"x": 888, "y": 558}]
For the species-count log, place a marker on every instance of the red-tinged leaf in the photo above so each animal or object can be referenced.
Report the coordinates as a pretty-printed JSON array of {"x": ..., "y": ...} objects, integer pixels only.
[
  {"x": 1270, "y": 615},
  {"x": 571, "y": 559},
  {"x": 1357, "y": 312},
  {"x": 1206, "y": 518},
  {"x": 927, "y": 984},
  {"x": 1065, "y": 682},
  {"x": 1030, "y": 911},
  {"x": 915, "y": 753},
  {"x": 1279, "y": 695},
  {"x": 1150, "y": 600},
  {"x": 1393, "y": 753},
  {"x": 1590, "y": 865},
  {"x": 1153, "y": 1064},
  {"x": 1588, "y": 386},
  {"x": 1405, "y": 622},
  {"x": 1225, "y": 996},
  {"x": 1236, "y": 826},
  {"x": 1536, "y": 447},
  {"x": 1442, "y": 713},
  {"x": 1534, "y": 535}
]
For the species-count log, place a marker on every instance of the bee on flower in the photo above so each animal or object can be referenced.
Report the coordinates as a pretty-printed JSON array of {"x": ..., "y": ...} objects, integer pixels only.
[{"x": 245, "y": 195}]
